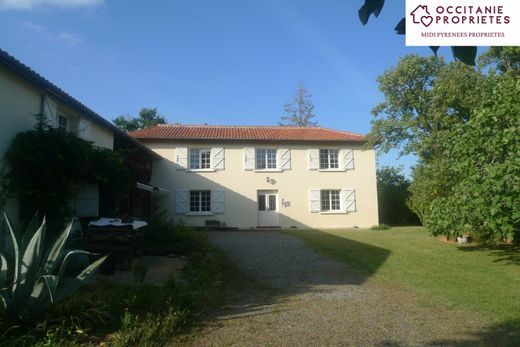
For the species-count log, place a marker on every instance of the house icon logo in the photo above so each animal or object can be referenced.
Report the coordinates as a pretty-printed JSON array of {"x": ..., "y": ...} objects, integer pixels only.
[{"x": 421, "y": 15}]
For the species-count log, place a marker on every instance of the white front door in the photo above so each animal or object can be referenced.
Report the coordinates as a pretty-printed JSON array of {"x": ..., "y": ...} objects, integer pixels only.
[{"x": 267, "y": 208}]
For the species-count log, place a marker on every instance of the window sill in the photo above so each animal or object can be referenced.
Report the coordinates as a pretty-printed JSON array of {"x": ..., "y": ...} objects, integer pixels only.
[
  {"x": 200, "y": 214},
  {"x": 331, "y": 170},
  {"x": 268, "y": 170},
  {"x": 201, "y": 170},
  {"x": 333, "y": 212}
]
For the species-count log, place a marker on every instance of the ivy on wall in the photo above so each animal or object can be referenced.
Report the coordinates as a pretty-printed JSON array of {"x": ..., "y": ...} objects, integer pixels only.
[{"x": 45, "y": 167}]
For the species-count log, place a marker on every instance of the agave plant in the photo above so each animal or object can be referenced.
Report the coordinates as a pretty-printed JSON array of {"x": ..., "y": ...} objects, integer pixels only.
[{"x": 31, "y": 275}]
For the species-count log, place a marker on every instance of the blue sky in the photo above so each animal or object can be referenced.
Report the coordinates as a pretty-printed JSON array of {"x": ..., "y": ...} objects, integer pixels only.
[{"x": 215, "y": 62}]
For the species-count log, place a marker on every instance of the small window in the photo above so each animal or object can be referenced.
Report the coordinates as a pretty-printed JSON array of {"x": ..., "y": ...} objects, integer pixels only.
[
  {"x": 200, "y": 158},
  {"x": 329, "y": 159},
  {"x": 200, "y": 200},
  {"x": 330, "y": 200},
  {"x": 261, "y": 202},
  {"x": 62, "y": 122},
  {"x": 265, "y": 158}
]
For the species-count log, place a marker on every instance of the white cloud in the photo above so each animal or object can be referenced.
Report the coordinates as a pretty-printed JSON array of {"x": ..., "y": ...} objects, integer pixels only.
[
  {"x": 71, "y": 38},
  {"x": 30, "y": 4},
  {"x": 34, "y": 27}
]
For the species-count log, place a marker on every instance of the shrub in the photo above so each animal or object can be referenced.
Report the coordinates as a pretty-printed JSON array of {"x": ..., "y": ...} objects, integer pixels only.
[{"x": 30, "y": 274}]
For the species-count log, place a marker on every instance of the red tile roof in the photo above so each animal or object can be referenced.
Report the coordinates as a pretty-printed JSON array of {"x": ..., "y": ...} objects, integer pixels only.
[{"x": 240, "y": 133}]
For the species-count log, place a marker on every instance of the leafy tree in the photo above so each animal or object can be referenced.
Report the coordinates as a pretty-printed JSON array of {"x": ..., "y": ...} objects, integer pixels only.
[
  {"x": 300, "y": 111},
  {"x": 147, "y": 117},
  {"x": 503, "y": 59},
  {"x": 463, "y": 125},
  {"x": 480, "y": 169},
  {"x": 466, "y": 55},
  {"x": 392, "y": 194},
  {"x": 423, "y": 96}
]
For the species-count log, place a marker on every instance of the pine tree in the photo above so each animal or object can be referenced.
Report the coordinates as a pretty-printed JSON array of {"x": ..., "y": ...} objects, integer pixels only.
[{"x": 300, "y": 111}]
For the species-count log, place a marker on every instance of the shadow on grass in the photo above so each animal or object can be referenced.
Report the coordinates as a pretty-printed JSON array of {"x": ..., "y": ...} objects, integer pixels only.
[
  {"x": 508, "y": 254},
  {"x": 503, "y": 334}
]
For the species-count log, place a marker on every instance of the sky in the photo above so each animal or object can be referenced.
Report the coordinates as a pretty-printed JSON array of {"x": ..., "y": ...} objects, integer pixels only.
[{"x": 227, "y": 62}]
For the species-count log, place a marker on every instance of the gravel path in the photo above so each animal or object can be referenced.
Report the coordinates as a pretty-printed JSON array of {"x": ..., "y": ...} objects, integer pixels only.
[{"x": 299, "y": 298}]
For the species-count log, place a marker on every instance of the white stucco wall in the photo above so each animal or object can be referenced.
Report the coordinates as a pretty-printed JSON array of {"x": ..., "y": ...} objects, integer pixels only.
[{"x": 293, "y": 186}]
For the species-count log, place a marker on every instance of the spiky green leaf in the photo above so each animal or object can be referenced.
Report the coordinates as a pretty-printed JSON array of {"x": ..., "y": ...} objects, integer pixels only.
[
  {"x": 54, "y": 253},
  {"x": 81, "y": 279},
  {"x": 16, "y": 251},
  {"x": 3, "y": 271},
  {"x": 67, "y": 258},
  {"x": 48, "y": 282}
]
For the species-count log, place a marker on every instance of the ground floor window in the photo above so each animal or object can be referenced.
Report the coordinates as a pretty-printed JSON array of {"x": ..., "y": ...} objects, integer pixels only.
[
  {"x": 330, "y": 200},
  {"x": 200, "y": 200}
]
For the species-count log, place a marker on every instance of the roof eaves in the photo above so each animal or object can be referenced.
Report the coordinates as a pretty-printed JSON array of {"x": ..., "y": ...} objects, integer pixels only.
[{"x": 32, "y": 76}]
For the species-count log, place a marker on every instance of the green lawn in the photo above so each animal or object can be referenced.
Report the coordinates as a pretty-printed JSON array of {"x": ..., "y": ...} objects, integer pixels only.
[{"x": 481, "y": 280}]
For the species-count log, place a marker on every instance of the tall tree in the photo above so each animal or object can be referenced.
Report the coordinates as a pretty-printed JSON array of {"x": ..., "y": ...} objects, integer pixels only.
[
  {"x": 147, "y": 117},
  {"x": 300, "y": 110},
  {"x": 463, "y": 125}
]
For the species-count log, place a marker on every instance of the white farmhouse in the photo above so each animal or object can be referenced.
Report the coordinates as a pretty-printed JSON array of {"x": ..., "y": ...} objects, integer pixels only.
[{"x": 260, "y": 176}]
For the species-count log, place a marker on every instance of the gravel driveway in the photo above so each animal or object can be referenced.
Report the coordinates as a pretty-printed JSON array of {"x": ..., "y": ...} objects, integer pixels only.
[{"x": 299, "y": 298}]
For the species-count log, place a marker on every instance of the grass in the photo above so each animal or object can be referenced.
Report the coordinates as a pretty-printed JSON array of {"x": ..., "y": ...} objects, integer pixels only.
[{"x": 479, "y": 279}]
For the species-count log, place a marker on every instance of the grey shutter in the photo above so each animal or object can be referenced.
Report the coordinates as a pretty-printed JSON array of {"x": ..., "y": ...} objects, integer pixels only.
[
  {"x": 315, "y": 200},
  {"x": 348, "y": 200},
  {"x": 181, "y": 201},
  {"x": 84, "y": 129},
  {"x": 217, "y": 201},
  {"x": 87, "y": 201},
  {"x": 249, "y": 158},
  {"x": 182, "y": 158},
  {"x": 50, "y": 111},
  {"x": 314, "y": 159},
  {"x": 284, "y": 159},
  {"x": 218, "y": 158},
  {"x": 348, "y": 159}
]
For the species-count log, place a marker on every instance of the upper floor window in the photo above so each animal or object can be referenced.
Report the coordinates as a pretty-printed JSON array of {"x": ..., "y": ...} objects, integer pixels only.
[
  {"x": 200, "y": 158},
  {"x": 330, "y": 200},
  {"x": 329, "y": 159},
  {"x": 200, "y": 200},
  {"x": 265, "y": 158},
  {"x": 62, "y": 122}
]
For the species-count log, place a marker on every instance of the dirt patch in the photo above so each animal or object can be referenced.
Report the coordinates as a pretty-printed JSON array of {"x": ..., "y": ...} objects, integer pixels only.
[{"x": 159, "y": 270}]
